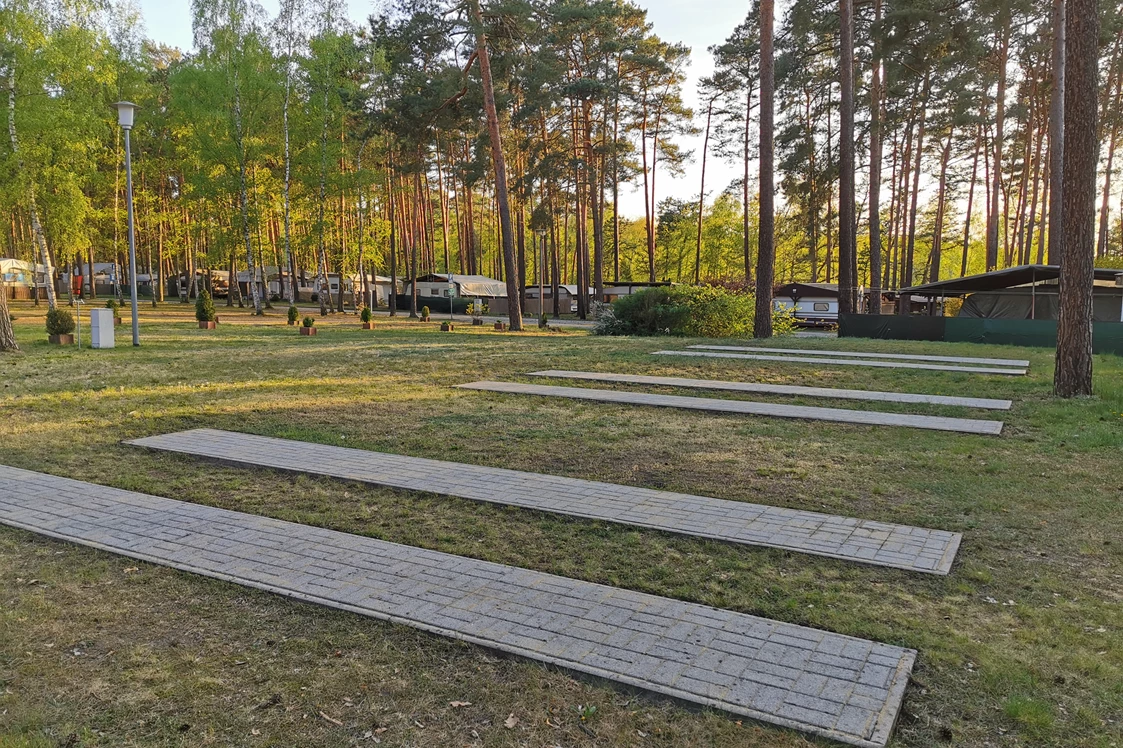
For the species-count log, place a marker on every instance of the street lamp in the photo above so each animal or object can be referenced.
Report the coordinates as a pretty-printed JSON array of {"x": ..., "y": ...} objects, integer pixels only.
[
  {"x": 541, "y": 274},
  {"x": 125, "y": 110}
]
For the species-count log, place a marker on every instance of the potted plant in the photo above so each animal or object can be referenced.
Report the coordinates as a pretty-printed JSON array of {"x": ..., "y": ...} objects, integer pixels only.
[
  {"x": 447, "y": 326},
  {"x": 366, "y": 317},
  {"x": 116, "y": 307},
  {"x": 501, "y": 326},
  {"x": 475, "y": 310},
  {"x": 204, "y": 311},
  {"x": 309, "y": 326},
  {"x": 60, "y": 325},
  {"x": 294, "y": 314},
  {"x": 542, "y": 324},
  {"x": 424, "y": 314}
]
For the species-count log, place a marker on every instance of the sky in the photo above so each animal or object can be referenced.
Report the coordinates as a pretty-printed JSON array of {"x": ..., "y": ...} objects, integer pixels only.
[{"x": 695, "y": 23}]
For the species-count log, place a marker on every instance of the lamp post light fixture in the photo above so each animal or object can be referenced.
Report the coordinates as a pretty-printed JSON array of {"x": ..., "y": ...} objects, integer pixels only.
[
  {"x": 125, "y": 110},
  {"x": 541, "y": 274}
]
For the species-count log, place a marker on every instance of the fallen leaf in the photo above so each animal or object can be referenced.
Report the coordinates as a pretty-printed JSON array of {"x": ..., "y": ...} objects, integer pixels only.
[
  {"x": 510, "y": 722},
  {"x": 255, "y": 731},
  {"x": 458, "y": 704}
]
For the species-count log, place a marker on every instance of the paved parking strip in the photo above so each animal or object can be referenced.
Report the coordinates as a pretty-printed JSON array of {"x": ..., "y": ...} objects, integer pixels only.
[
  {"x": 749, "y": 407},
  {"x": 827, "y": 684},
  {"x": 848, "y": 362},
  {"x": 1014, "y": 363},
  {"x": 879, "y": 543},
  {"x": 779, "y": 389}
]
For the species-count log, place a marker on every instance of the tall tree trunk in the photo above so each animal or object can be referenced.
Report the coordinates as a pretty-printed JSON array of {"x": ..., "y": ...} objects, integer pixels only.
[
  {"x": 1073, "y": 375},
  {"x": 1028, "y": 253},
  {"x": 702, "y": 195},
  {"x": 593, "y": 190},
  {"x": 935, "y": 257},
  {"x": 649, "y": 219},
  {"x": 970, "y": 200},
  {"x": 393, "y": 241},
  {"x": 7, "y": 334},
  {"x": 324, "y": 293},
  {"x": 36, "y": 228},
  {"x": 1056, "y": 136},
  {"x": 442, "y": 193},
  {"x": 1113, "y": 109},
  {"x": 745, "y": 190},
  {"x": 907, "y": 275},
  {"x": 766, "y": 252},
  {"x": 243, "y": 199},
  {"x": 875, "y": 164},
  {"x": 514, "y": 310},
  {"x": 1046, "y": 205},
  {"x": 999, "y": 125},
  {"x": 615, "y": 179},
  {"x": 847, "y": 247}
]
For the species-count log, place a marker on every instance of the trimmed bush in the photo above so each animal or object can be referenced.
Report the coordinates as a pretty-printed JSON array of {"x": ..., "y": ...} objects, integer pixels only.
[
  {"x": 204, "y": 307},
  {"x": 424, "y": 311},
  {"x": 294, "y": 314},
  {"x": 309, "y": 322},
  {"x": 692, "y": 311},
  {"x": 59, "y": 322},
  {"x": 366, "y": 315},
  {"x": 114, "y": 305}
]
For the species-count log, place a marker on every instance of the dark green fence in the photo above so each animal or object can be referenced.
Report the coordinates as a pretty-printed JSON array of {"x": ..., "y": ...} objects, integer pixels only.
[
  {"x": 437, "y": 304},
  {"x": 1107, "y": 337}
]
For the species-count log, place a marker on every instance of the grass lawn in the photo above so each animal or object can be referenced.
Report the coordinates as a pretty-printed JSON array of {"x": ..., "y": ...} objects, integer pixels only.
[{"x": 1022, "y": 645}]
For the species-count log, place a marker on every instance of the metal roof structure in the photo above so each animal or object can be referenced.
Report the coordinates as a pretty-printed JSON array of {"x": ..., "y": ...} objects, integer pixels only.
[{"x": 997, "y": 280}]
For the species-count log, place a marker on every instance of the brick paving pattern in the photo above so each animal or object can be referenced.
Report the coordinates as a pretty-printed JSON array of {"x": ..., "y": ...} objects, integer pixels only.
[
  {"x": 748, "y": 407},
  {"x": 848, "y": 362},
  {"x": 1015, "y": 363},
  {"x": 879, "y": 543},
  {"x": 779, "y": 389},
  {"x": 837, "y": 686}
]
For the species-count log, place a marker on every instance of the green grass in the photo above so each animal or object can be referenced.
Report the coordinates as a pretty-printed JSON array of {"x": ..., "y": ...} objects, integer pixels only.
[{"x": 1020, "y": 645}]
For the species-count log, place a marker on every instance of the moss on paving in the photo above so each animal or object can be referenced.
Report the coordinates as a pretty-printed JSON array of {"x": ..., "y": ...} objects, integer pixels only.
[{"x": 1021, "y": 645}]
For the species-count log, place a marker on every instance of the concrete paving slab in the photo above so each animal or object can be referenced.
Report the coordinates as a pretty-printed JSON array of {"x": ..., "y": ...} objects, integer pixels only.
[
  {"x": 827, "y": 684},
  {"x": 779, "y": 389},
  {"x": 863, "y": 541},
  {"x": 848, "y": 362},
  {"x": 1017, "y": 364},
  {"x": 748, "y": 407}
]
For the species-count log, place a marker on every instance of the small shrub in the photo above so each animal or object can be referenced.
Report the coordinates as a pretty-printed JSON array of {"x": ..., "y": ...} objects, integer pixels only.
[
  {"x": 424, "y": 311},
  {"x": 114, "y": 305},
  {"x": 783, "y": 322},
  {"x": 204, "y": 307},
  {"x": 695, "y": 311},
  {"x": 309, "y": 322},
  {"x": 294, "y": 314},
  {"x": 366, "y": 315},
  {"x": 59, "y": 322}
]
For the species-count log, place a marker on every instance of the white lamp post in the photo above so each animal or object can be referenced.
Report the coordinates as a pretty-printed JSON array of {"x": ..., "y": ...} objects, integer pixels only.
[
  {"x": 125, "y": 110},
  {"x": 541, "y": 274}
]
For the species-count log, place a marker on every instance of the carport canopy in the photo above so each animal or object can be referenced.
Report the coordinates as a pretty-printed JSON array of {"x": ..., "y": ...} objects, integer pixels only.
[{"x": 997, "y": 280}]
